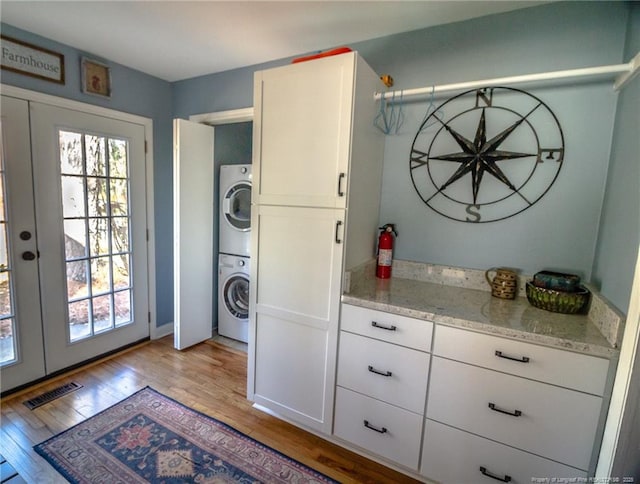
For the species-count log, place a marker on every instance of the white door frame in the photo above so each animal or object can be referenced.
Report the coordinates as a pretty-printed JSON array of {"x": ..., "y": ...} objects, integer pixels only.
[
  {"x": 34, "y": 96},
  {"x": 224, "y": 117}
]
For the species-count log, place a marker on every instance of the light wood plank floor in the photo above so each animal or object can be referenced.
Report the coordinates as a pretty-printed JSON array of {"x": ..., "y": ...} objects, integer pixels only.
[{"x": 208, "y": 377}]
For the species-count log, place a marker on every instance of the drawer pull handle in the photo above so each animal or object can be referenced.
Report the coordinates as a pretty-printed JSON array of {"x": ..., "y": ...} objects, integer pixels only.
[
  {"x": 382, "y": 326},
  {"x": 378, "y": 372},
  {"x": 515, "y": 413},
  {"x": 485, "y": 472},
  {"x": 380, "y": 430},
  {"x": 524, "y": 359}
]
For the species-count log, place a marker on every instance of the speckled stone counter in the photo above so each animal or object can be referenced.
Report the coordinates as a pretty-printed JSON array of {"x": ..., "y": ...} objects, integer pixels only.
[{"x": 456, "y": 297}]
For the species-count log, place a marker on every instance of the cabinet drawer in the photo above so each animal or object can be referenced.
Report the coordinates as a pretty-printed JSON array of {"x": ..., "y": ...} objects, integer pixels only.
[
  {"x": 556, "y": 423},
  {"x": 391, "y": 373},
  {"x": 393, "y": 433},
  {"x": 452, "y": 456},
  {"x": 401, "y": 330},
  {"x": 559, "y": 367}
]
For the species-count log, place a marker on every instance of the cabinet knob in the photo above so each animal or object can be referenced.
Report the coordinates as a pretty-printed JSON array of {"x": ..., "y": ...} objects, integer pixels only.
[{"x": 28, "y": 255}]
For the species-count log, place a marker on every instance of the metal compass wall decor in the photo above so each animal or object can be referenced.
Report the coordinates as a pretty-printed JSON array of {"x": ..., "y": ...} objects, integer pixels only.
[{"x": 486, "y": 154}]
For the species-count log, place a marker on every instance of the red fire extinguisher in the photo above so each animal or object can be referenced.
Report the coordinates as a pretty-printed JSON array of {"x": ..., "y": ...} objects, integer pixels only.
[{"x": 385, "y": 251}]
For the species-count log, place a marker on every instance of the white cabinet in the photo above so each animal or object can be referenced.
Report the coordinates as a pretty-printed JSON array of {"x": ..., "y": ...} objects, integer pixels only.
[
  {"x": 303, "y": 128},
  {"x": 511, "y": 408},
  {"x": 296, "y": 309},
  {"x": 382, "y": 383},
  {"x": 317, "y": 165},
  {"x": 378, "y": 427},
  {"x": 558, "y": 367},
  {"x": 543, "y": 419},
  {"x": 392, "y": 328},
  {"x": 384, "y": 371},
  {"x": 452, "y": 456}
]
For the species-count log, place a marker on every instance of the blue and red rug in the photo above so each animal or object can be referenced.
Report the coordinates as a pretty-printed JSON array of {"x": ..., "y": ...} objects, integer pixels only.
[{"x": 149, "y": 437}]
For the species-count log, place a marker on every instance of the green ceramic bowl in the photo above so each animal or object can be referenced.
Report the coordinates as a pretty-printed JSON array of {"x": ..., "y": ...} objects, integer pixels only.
[{"x": 558, "y": 301}]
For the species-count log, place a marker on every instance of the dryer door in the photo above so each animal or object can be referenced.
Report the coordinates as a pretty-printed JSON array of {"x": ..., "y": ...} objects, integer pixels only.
[
  {"x": 236, "y": 296},
  {"x": 236, "y": 206}
]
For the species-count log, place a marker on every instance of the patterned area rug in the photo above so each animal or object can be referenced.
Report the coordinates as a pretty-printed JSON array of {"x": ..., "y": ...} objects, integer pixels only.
[{"x": 149, "y": 437}]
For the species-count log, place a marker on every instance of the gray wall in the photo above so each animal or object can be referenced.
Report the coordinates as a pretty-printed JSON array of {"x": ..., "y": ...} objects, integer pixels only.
[
  {"x": 559, "y": 232},
  {"x": 619, "y": 239},
  {"x": 617, "y": 248},
  {"x": 231, "y": 146},
  {"x": 136, "y": 93}
]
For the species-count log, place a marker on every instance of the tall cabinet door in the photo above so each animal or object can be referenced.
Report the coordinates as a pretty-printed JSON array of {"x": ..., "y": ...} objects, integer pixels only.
[
  {"x": 302, "y": 132},
  {"x": 294, "y": 307}
]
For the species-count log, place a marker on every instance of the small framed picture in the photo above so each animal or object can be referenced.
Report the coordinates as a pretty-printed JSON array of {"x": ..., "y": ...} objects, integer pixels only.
[{"x": 96, "y": 78}]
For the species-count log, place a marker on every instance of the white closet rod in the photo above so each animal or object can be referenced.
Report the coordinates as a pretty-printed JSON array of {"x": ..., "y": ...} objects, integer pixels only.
[{"x": 627, "y": 72}]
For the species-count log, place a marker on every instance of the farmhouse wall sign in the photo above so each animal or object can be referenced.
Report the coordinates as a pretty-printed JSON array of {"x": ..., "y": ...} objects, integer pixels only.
[{"x": 31, "y": 60}]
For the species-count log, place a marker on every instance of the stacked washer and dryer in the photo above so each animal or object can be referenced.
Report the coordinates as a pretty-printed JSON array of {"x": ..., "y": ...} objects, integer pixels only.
[{"x": 234, "y": 244}]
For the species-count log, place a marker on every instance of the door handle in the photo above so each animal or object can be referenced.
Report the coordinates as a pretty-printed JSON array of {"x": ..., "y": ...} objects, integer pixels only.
[
  {"x": 340, "y": 178},
  {"x": 338, "y": 224},
  {"x": 28, "y": 255}
]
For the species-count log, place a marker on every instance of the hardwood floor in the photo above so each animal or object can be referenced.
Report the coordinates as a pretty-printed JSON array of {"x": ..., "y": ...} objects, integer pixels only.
[{"x": 208, "y": 377}]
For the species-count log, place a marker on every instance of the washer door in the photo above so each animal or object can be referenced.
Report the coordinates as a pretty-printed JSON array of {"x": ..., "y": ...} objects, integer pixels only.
[
  {"x": 236, "y": 296},
  {"x": 237, "y": 206}
]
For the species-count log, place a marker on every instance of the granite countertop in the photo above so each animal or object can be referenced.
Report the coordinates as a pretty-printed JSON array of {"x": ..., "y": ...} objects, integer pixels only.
[{"x": 461, "y": 302}]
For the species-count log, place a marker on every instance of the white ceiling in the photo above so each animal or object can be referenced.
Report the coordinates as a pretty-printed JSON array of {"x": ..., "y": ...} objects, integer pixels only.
[{"x": 176, "y": 40}]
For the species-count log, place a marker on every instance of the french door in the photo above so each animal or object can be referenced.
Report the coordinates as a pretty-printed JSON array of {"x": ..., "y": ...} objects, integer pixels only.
[{"x": 75, "y": 223}]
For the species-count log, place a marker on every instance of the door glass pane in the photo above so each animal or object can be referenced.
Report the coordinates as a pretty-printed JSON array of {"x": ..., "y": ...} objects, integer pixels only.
[
  {"x": 71, "y": 153},
  {"x": 102, "y": 317},
  {"x": 77, "y": 277},
  {"x": 119, "y": 197},
  {"x": 98, "y": 236},
  {"x": 75, "y": 235},
  {"x": 96, "y": 159},
  {"x": 121, "y": 274},
  {"x": 8, "y": 353},
  {"x": 97, "y": 232},
  {"x": 118, "y": 158},
  {"x": 122, "y": 302},
  {"x": 97, "y": 196},
  {"x": 72, "y": 196},
  {"x": 79, "y": 322}
]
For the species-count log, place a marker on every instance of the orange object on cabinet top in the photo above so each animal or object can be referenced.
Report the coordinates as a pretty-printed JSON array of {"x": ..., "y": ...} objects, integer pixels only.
[{"x": 339, "y": 50}]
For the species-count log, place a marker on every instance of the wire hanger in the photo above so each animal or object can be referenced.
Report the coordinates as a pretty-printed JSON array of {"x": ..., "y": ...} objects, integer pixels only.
[{"x": 431, "y": 109}]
